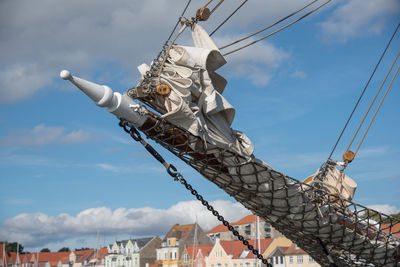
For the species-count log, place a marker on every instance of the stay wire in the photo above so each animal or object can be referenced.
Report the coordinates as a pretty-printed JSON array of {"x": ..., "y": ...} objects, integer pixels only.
[
  {"x": 380, "y": 104},
  {"x": 179, "y": 20},
  {"x": 222, "y": 23},
  {"x": 268, "y": 27},
  {"x": 362, "y": 94},
  {"x": 278, "y": 30}
]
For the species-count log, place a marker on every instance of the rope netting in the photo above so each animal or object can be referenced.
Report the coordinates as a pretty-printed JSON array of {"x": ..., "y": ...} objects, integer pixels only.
[{"x": 314, "y": 219}]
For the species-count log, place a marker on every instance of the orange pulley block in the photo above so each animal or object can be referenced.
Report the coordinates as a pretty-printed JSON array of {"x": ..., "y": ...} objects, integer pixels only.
[
  {"x": 348, "y": 156},
  {"x": 163, "y": 89},
  {"x": 203, "y": 13}
]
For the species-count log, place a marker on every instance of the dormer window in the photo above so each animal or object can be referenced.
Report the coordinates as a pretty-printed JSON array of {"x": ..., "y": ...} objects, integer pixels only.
[{"x": 186, "y": 257}]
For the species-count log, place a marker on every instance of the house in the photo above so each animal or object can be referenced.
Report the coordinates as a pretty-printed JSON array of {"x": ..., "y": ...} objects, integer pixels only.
[
  {"x": 133, "y": 252},
  {"x": 80, "y": 258},
  {"x": 234, "y": 253},
  {"x": 194, "y": 256},
  {"x": 247, "y": 227},
  {"x": 295, "y": 256},
  {"x": 174, "y": 242},
  {"x": 53, "y": 259},
  {"x": 95, "y": 258}
]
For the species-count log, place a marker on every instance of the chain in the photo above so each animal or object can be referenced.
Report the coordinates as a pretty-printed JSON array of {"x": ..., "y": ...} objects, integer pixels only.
[{"x": 174, "y": 173}]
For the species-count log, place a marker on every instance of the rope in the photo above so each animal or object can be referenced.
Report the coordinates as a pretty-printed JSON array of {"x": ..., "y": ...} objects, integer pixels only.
[
  {"x": 278, "y": 30},
  {"x": 270, "y": 26},
  {"x": 179, "y": 20},
  {"x": 220, "y": 25},
  {"x": 380, "y": 104},
  {"x": 362, "y": 94}
]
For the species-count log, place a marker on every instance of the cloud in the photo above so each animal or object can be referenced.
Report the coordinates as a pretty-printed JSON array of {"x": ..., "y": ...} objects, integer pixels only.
[
  {"x": 357, "y": 18},
  {"x": 45, "y": 36},
  {"x": 43, "y": 135},
  {"x": 385, "y": 208},
  {"x": 258, "y": 64},
  {"x": 39, "y": 229}
]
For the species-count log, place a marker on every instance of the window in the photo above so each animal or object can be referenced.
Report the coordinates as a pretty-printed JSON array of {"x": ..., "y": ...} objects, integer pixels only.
[
  {"x": 241, "y": 264},
  {"x": 267, "y": 229},
  {"x": 219, "y": 265},
  {"x": 299, "y": 258},
  {"x": 200, "y": 263},
  {"x": 165, "y": 255},
  {"x": 169, "y": 242},
  {"x": 225, "y": 265},
  {"x": 186, "y": 257},
  {"x": 234, "y": 265},
  {"x": 291, "y": 259},
  {"x": 281, "y": 259},
  {"x": 212, "y": 265},
  {"x": 247, "y": 229},
  {"x": 247, "y": 264},
  {"x": 218, "y": 254},
  {"x": 310, "y": 259},
  {"x": 174, "y": 255}
]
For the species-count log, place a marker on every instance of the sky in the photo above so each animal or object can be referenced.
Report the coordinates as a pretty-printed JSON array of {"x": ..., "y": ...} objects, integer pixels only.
[{"x": 69, "y": 176}]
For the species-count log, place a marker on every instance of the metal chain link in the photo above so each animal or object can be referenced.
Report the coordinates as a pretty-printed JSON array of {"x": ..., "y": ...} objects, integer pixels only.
[{"x": 174, "y": 173}]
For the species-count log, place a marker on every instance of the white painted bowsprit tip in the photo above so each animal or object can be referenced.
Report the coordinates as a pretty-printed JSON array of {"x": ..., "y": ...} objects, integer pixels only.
[
  {"x": 120, "y": 105},
  {"x": 65, "y": 75}
]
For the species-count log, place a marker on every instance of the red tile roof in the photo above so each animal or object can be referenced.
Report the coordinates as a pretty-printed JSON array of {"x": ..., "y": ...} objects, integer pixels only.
[
  {"x": 395, "y": 230},
  {"x": 205, "y": 250},
  {"x": 292, "y": 250},
  {"x": 54, "y": 257},
  {"x": 236, "y": 247},
  {"x": 85, "y": 256},
  {"x": 96, "y": 257},
  {"x": 245, "y": 220}
]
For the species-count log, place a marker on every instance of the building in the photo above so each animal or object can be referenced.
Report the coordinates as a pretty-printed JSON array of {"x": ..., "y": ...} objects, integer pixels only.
[
  {"x": 296, "y": 257},
  {"x": 247, "y": 227},
  {"x": 234, "y": 253},
  {"x": 133, "y": 252},
  {"x": 194, "y": 256},
  {"x": 175, "y": 241}
]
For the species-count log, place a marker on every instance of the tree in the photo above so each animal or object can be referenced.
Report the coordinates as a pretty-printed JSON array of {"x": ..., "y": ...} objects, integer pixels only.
[
  {"x": 64, "y": 249},
  {"x": 12, "y": 247},
  {"x": 45, "y": 250},
  {"x": 79, "y": 249}
]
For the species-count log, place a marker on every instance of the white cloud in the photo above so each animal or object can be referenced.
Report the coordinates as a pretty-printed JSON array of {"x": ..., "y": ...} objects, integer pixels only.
[
  {"x": 38, "y": 229},
  {"x": 385, "y": 208},
  {"x": 42, "y": 135},
  {"x": 45, "y": 36},
  {"x": 357, "y": 18},
  {"x": 257, "y": 64}
]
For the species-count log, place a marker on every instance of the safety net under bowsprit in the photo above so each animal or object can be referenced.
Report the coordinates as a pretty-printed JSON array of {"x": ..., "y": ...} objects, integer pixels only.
[{"x": 194, "y": 124}]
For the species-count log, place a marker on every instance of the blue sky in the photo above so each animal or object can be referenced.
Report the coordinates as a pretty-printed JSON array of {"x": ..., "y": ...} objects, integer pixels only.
[{"x": 67, "y": 169}]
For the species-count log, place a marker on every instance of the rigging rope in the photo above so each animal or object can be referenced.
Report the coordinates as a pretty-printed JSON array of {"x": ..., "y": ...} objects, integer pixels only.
[
  {"x": 380, "y": 104},
  {"x": 278, "y": 30},
  {"x": 268, "y": 27},
  {"x": 222, "y": 23},
  {"x": 362, "y": 94}
]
